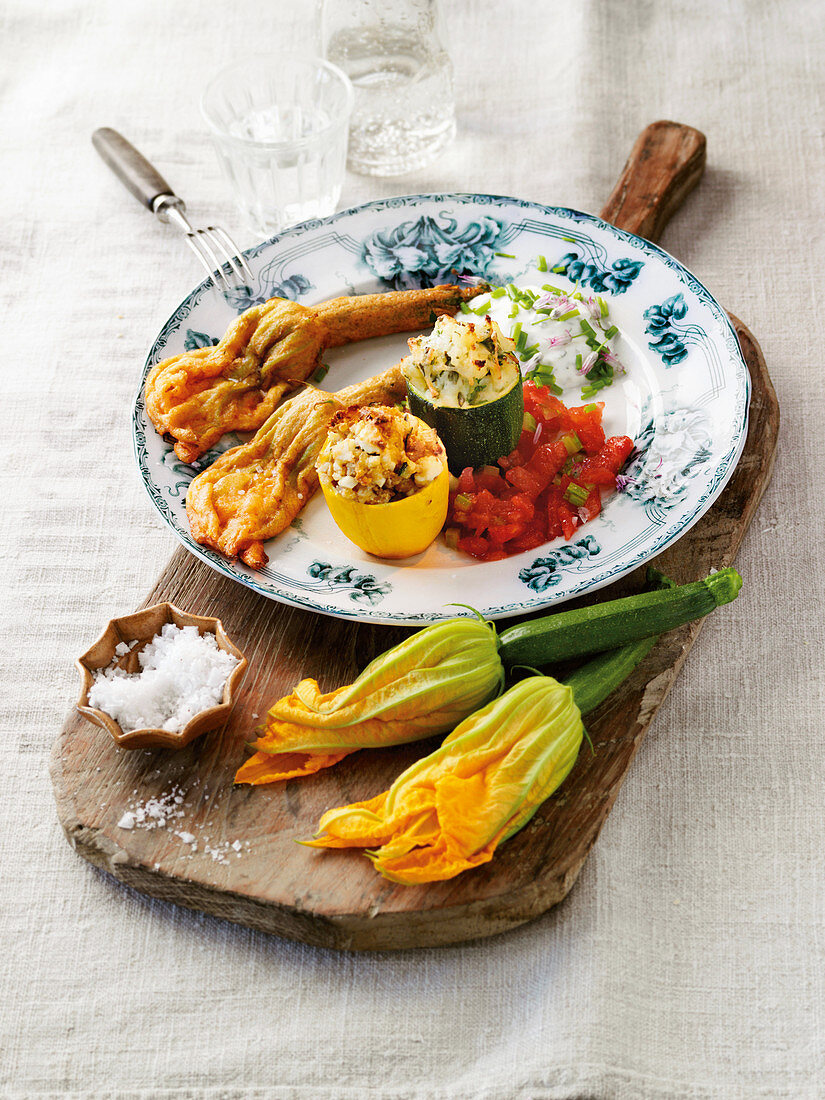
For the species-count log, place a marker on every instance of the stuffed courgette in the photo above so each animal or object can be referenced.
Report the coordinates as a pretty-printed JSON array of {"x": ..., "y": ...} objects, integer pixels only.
[{"x": 464, "y": 380}]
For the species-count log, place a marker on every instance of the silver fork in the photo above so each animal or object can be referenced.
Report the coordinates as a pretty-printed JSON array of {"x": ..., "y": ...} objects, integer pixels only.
[{"x": 222, "y": 260}]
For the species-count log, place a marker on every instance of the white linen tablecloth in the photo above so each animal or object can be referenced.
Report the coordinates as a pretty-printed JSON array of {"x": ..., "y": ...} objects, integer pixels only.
[{"x": 689, "y": 959}]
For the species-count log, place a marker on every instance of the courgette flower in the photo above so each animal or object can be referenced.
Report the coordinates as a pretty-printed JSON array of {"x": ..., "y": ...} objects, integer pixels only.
[
  {"x": 449, "y": 811},
  {"x": 422, "y": 687}
]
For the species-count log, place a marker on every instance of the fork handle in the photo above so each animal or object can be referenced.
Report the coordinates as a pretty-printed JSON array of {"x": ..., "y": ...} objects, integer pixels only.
[{"x": 134, "y": 171}]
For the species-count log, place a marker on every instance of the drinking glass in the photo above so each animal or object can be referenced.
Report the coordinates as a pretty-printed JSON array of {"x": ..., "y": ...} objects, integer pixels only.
[
  {"x": 279, "y": 125},
  {"x": 393, "y": 53}
]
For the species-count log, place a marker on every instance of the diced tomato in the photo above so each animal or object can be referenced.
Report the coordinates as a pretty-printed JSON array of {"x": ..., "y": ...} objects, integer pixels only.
[
  {"x": 547, "y": 460},
  {"x": 601, "y": 469},
  {"x": 525, "y": 480},
  {"x": 474, "y": 546},
  {"x": 466, "y": 481},
  {"x": 534, "y": 534},
  {"x": 587, "y": 424},
  {"x": 488, "y": 478},
  {"x": 524, "y": 505},
  {"x": 545, "y": 406},
  {"x": 568, "y": 518},
  {"x": 617, "y": 449},
  {"x": 591, "y": 507},
  {"x": 594, "y": 472},
  {"x": 520, "y": 455}
]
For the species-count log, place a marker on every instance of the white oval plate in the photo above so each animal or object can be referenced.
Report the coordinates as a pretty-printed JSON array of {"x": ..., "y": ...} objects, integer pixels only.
[{"x": 684, "y": 399}]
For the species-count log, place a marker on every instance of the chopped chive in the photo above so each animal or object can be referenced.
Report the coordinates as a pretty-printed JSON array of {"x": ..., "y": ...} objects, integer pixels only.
[
  {"x": 516, "y": 333},
  {"x": 575, "y": 494},
  {"x": 320, "y": 374},
  {"x": 514, "y": 310},
  {"x": 465, "y": 308},
  {"x": 593, "y": 387},
  {"x": 498, "y": 292},
  {"x": 528, "y": 423},
  {"x": 571, "y": 442},
  {"x": 591, "y": 408},
  {"x": 506, "y": 255},
  {"x": 482, "y": 309},
  {"x": 512, "y": 291},
  {"x": 550, "y": 289},
  {"x": 521, "y": 341},
  {"x": 559, "y": 269},
  {"x": 587, "y": 328},
  {"x": 557, "y": 390},
  {"x": 611, "y": 332},
  {"x": 602, "y": 305},
  {"x": 570, "y": 313},
  {"x": 463, "y": 501},
  {"x": 531, "y": 351},
  {"x": 541, "y": 263}
]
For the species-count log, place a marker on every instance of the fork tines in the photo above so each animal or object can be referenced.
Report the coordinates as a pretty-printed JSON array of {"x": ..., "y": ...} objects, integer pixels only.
[{"x": 221, "y": 258}]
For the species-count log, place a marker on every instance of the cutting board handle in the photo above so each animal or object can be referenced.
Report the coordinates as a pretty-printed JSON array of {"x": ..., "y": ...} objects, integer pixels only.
[{"x": 664, "y": 166}]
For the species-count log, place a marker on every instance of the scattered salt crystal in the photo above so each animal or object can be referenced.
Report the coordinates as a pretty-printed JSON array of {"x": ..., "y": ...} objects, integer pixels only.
[
  {"x": 152, "y": 814},
  {"x": 182, "y": 673},
  {"x": 121, "y": 649},
  {"x": 164, "y": 812}
]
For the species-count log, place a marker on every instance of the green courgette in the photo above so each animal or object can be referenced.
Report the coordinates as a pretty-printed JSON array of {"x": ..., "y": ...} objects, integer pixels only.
[
  {"x": 593, "y": 682},
  {"x": 475, "y": 435},
  {"x": 600, "y": 627}
]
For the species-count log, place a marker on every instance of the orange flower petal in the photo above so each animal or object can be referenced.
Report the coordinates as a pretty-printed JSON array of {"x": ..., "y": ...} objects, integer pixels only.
[
  {"x": 433, "y": 863},
  {"x": 265, "y": 767}
]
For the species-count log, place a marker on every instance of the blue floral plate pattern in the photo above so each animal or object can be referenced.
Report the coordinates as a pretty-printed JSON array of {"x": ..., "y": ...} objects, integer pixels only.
[{"x": 684, "y": 399}]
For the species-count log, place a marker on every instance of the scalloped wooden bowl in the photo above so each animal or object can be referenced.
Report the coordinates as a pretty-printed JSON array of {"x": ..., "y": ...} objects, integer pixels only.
[{"x": 141, "y": 627}]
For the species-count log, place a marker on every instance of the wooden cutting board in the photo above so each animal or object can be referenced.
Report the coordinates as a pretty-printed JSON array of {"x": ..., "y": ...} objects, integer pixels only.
[{"x": 230, "y": 851}]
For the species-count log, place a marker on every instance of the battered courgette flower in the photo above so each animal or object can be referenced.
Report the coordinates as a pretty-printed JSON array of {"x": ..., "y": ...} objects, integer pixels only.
[
  {"x": 423, "y": 687},
  {"x": 449, "y": 811}
]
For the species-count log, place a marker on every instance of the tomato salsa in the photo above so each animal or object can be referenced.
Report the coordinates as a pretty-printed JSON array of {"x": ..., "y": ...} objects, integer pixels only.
[{"x": 546, "y": 488}]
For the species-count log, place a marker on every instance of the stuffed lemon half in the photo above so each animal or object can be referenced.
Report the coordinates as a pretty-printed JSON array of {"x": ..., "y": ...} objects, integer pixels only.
[
  {"x": 383, "y": 473},
  {"x": 464, "y": 380}
]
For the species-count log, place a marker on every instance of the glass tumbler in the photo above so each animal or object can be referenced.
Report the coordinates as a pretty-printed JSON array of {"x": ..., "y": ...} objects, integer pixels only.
[
  {"x": 279, "y": 125},
  {"x": 393, "y": 53}
]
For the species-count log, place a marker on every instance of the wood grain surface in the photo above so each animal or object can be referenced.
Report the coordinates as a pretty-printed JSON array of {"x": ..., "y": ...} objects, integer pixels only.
[{"x": 230, "y": 851}]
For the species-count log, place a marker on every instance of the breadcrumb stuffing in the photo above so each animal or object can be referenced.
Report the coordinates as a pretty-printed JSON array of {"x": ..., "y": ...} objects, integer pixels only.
[{"x": 376, "y": 454}]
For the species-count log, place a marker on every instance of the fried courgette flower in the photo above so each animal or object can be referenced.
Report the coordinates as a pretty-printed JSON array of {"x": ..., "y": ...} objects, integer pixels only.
[
  {"x": 449, "y": 811},
  {"x": 253, "y": 492},
  {"x": 269, "y": 350},
  {"x": 417, "y": 689}
]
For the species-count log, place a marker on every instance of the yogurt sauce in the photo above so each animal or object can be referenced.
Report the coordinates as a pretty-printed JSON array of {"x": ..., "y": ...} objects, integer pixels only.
[{"x": 558, "y": 343}]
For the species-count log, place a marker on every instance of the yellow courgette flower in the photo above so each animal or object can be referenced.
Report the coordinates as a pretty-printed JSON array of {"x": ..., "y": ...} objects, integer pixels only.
[
  {"x": 423, "y": 687},
  {"x": 449, "y": 811}
]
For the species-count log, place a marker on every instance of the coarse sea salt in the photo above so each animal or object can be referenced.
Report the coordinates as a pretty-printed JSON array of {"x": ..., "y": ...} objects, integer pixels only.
[{"x": 182, "y": 673}]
